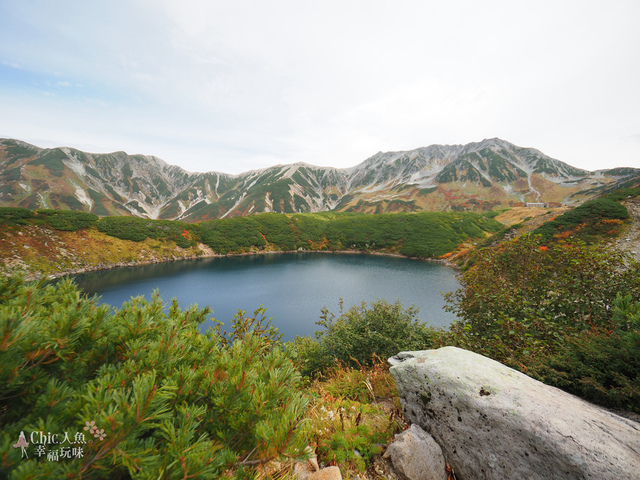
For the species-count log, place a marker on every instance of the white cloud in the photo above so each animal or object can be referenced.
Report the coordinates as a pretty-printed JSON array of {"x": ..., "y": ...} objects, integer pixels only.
[
  {"x": 631, "y": 138},
  {"x": 229, "y": 86}
]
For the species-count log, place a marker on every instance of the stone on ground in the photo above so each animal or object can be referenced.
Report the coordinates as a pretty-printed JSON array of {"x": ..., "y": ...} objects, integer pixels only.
[
  {"x": 416, "y": 455},
  {"x": 329, "y": 473}
]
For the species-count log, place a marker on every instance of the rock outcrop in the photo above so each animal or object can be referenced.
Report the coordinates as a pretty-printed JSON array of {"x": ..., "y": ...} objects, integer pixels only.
[{"x": 493, "y": 422}]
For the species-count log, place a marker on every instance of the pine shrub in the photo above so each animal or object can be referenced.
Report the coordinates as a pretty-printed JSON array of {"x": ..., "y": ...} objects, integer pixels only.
[
  {"x": 525, "y": 298},
  {"x": 600, "y": 365},
  {"x": 361, "y": 334},
  {"x": 67, "y": 220},
  {"x": 589, "y": 222},
  {"x": 15, "y": 215},
  {"x": 137, "y": 392}
]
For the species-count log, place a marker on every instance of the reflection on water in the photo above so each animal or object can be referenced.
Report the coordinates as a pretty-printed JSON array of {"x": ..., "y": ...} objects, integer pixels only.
[{"x": 294, "y": 287}]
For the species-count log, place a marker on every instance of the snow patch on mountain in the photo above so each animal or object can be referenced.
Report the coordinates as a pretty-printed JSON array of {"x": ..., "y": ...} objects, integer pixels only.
[{"x": 81, "y": 194}]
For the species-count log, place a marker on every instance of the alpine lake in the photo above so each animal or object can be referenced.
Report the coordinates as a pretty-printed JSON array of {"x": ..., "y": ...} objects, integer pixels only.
[{"x": 293, "y": 287}]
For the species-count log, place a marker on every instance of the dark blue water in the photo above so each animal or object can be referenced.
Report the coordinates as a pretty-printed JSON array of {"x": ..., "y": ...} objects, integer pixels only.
[{"x": 294, "y": 287}]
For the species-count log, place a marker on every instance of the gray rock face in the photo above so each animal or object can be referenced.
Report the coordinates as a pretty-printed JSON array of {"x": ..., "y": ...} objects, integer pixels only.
[
  {"x": 416, "y": 455},
  {"x": 493, "y": 422}
]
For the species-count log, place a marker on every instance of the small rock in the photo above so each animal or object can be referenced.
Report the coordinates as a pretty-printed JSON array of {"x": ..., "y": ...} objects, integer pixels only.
[
  {"x": 329, "y": 473},
  {"x": 416, "y": 455},
  {"x": 302, "y": 470},
  {"x": 313, "y": 460}
]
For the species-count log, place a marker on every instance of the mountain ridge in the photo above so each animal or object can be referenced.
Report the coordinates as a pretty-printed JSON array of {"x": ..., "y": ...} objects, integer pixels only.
[{"x": 473, "y": 177}]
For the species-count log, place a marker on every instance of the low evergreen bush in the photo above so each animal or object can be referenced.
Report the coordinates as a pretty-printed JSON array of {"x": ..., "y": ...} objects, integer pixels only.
[
  {"x": 67, "y": 220},
  {"x": 600, "y": 365},
  {"x": 524, "y": 298},
  {"x": 15, "y": 215},
  {"x": 139, "y": 229},
  {"x": 623, "y": 194},
  {"x": 588, "y": 222},
  {"x": 423, "y": 234},
  {"x": 361, "y": 334},
  {"x": 138, "y": 392}
]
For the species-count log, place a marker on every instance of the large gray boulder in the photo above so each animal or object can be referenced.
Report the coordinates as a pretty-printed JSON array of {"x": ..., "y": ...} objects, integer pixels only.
[{"x": 494, "y": 422}]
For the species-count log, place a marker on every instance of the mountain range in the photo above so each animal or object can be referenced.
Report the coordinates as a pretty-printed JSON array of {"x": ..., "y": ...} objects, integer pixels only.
[{"x": 474, "y": 177}]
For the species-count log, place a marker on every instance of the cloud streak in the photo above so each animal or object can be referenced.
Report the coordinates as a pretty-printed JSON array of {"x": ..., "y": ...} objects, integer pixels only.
[{"x": 231, "y": 86}]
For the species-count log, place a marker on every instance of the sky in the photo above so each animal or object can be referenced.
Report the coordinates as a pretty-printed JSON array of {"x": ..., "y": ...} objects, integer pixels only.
[{"x": 231, "y": 86}]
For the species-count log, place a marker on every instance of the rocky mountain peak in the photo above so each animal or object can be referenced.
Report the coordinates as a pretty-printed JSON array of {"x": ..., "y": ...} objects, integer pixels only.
[{"x": 476, "y": 176}]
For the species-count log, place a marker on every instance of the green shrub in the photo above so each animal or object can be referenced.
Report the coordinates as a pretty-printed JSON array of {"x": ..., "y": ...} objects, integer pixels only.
[
  {"x": 424, "y": 234},
  {"x": 587, "y": 222},
  {"x": 228, "y": 235},
  {"x": 600, "y": 365},
  {"x": 15, "y": 215},
  {"x": 525, "y": 298},
  {"x": 52, "y": 160},
  {"x": 149, "y": 394},
  {"x": 350, "y": 416},
  {"x": 98, "y": 201},
  {"x": 360, "y": 334},
  {"x": 623, "y": 194},
  {"x": 16, "y": 149},
  {"x": 493, "y": 213},
  {"x": 276, "y": 229},
  {"x": 67, "y": 220},
  {"x": 124, "y": 228},
  {"x": 351, "y": 442},
  {"x": 139, "y": 229}
]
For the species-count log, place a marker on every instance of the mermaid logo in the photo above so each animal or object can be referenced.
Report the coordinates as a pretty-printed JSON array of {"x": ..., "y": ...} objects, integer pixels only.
[{"x": 22, "y": 443}]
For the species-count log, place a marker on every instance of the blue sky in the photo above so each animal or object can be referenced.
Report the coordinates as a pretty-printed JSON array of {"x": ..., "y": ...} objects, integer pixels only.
[{"x": 233, "y": 86}]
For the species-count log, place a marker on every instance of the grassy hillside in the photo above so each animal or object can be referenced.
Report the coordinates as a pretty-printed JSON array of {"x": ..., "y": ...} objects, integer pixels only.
[{"x": 49, "y": 242}]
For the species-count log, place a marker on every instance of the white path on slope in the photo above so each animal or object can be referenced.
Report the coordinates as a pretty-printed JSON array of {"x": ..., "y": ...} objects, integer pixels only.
[
  {"x": 531, "y": 189},
  {"x": 630, "y": 239}
]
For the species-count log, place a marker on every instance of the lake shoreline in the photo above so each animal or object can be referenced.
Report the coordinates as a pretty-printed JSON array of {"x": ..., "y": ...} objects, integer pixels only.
[{"x": 210, "y": 254}]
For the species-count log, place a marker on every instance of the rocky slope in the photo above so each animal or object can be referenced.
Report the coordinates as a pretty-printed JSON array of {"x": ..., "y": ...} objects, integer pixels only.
[{"x": 477, "y": 176}]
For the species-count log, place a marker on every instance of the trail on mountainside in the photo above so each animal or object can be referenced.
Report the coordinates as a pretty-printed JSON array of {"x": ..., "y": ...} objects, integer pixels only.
[{"x": 630, "y": 239}]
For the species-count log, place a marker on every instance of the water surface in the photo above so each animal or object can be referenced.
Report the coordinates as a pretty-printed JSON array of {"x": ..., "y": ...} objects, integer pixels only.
[{"x": 294, "y": 287}]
